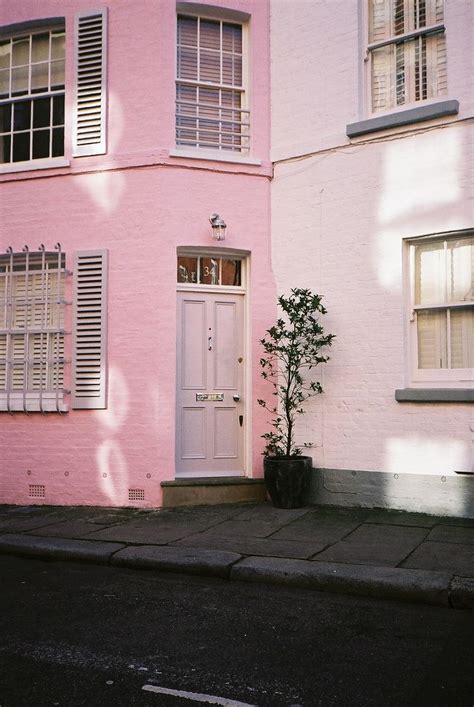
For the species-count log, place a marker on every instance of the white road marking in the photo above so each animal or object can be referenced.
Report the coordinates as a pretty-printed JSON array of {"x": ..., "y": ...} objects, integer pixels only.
[{"x": 196, "y": 696}]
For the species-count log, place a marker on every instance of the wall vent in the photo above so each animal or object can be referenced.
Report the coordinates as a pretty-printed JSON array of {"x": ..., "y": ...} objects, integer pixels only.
[
  {"x": 36, "y": 490},
  {"x": 136, "y": 494}
]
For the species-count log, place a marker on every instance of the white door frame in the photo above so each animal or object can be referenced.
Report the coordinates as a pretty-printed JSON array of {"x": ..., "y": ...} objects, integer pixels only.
[{"x": 244, "y": 256}]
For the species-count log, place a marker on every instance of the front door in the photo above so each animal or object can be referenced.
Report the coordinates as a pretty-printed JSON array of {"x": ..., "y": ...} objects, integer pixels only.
[{"x": 210, "y": 380}]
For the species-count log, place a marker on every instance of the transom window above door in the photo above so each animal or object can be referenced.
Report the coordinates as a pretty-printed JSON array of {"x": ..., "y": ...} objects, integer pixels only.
[{"x": 209, "y": 270}]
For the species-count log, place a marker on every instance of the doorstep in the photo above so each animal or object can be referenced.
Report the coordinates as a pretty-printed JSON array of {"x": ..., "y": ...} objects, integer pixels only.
[{"x": 204, "y": 491}]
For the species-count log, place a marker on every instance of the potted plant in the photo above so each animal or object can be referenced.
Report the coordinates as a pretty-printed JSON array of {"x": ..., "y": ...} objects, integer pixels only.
[{"x": 292, "y": 347}]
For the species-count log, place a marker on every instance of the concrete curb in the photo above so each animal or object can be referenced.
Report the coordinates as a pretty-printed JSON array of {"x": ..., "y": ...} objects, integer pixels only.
[
  {"x": 401, "y": 584},
  {"x": 382, "y": 582},
  {"x": 58, "y": 548},
  {"x": 177, "y": 559}
]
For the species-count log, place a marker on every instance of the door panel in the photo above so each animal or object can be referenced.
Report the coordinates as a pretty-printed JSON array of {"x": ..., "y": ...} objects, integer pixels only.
[
  {"x": 210, "y": 379},
  {"x": 225, "y": 345},
  {"x": 194, "y": 367},
  {"x": 194, "y": 435}
]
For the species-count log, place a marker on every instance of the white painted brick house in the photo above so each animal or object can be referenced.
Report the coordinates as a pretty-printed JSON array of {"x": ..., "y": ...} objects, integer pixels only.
[{"x": 372, "y": 206}]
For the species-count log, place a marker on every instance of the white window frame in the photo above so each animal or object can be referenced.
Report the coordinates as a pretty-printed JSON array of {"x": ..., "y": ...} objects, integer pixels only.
[
  {"x": 218, "y": 152},
  {"x": 428, "y": 30},
  {"x": 427, "y": 377},
  {"x": 50, "y": 398},
  {"x": 43, "y": 162}
]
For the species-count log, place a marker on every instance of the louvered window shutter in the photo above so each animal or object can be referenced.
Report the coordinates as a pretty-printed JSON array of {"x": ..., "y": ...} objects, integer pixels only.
[
  {"x": 90, "y": 330},
  {"x": 90, "y": 110}
]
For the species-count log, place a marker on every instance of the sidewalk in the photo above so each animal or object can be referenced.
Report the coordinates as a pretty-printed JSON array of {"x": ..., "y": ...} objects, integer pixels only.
[{"x": 379, "y": 553}]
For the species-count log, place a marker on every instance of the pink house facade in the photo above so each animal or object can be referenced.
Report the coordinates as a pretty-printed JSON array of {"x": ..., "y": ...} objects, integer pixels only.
[
  {"x": 372, "y": 206},
  {"x": 135, "y": 266}
]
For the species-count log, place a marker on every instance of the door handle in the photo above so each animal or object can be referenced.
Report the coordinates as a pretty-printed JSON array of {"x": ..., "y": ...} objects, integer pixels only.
[{"x": 236, "y": 397}]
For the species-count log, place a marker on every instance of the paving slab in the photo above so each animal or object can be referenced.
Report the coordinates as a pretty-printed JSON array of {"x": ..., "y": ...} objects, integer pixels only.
[
  {"x": 177, "y": 559},
  {"x": 68, "y": 529},
  {"x": 371, "y": 544},
  {"x": 245, "y": 545},
  {"x": 383, "y": 582},
  {"x": 452, "y": 534},
  {"x": 20, "y": 522},
  {"x": 449, "y": 557},
  {"x": 57, "y": 548},
  {"x": 268, "y": 513},
  {"x": 393, "y": 517},
  {"x": 315, "y": 527}
]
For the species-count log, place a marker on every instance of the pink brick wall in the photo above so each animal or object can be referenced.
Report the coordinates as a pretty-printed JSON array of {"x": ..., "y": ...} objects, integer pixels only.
[
  {"x": 340, "y": 212},
  {"x": 141, "y": 204}
]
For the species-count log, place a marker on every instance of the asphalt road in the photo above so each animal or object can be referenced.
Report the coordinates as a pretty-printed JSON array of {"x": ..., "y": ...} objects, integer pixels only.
[{"x": 92, "y": 635}]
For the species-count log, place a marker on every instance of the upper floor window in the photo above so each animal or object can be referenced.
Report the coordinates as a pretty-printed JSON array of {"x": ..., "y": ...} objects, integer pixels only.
[
  {"x": 443, "y": 307},
  {"x": 406, "y": 51},
  {"x": 210, "y": 93},
  {"x": 32, "y": 96}
]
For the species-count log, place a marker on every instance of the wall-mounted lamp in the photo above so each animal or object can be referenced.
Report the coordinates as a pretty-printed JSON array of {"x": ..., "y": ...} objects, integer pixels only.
[{"x": 218, "y": 227}]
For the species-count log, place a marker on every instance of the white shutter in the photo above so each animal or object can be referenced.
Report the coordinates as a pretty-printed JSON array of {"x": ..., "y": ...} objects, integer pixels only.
[
  {"x": 89, "y": 330},
  {"x": 90, "y": 109}
]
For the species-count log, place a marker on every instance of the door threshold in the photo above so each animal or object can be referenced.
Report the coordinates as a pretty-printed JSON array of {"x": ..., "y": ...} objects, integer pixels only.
[{"x": 205, "y": 491}]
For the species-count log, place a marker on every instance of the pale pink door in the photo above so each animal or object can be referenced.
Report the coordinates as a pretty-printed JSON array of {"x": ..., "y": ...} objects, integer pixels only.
[{"x": 210, "y": 378}]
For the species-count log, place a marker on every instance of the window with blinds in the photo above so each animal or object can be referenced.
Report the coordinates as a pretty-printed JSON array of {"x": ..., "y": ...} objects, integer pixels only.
[
  {"x": 32, "y": 96},
  {"x": 34, "y": 371},
  {"x": 407, "y": 52},
  {"x": 32, "y": 310},
  {"x": 210, "y": 96},
  {"x": 443, "y": 308}
]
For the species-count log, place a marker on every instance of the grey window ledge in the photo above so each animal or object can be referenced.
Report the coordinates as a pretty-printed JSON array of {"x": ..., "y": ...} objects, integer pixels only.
[
  {"x": 404, "y": 117},
  {"x": 435, "y": 395}
]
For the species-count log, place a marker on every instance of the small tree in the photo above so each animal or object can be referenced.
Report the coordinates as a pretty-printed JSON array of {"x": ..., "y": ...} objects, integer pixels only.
[{"x": 292, "y": 346}]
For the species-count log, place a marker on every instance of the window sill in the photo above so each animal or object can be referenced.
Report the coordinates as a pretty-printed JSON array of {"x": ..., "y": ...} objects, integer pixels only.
[
  {"x": 33, "y": 165},
  {"x": 213, "y": 156},
  {"x": 434, "y": 395},
  {"x": 441, "y": 109}
]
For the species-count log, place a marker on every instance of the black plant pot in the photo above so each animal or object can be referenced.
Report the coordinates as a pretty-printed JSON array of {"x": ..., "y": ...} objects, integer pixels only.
[{"x": 287, "y": 480}]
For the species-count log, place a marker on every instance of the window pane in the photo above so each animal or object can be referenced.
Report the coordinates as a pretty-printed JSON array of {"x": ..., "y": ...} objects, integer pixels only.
[
  {"x": 209, "y": 274},
  {"x": 461, "y": 270},
  {"x": 187, "y": 64},
  {"x": 22, "y": 115},
  {"x": 383, "y": 73},
  {"x": 5, "y": 147},
  {"x": 57, "y": 45},
  {"x": 20, "y": 81},
  {"x": 210, "y": 34},
  {"x": 462, "y": 338},
  {"x": 21, "y": 51},
  {"x": 430, "y": 275},
  {"x": 21, "y": 147},
  {"x": 379, "y": 20},
  {"x": 4, "y": 83},
  {"x": 58, "y": 142},
  {"x": 231, "y": 272},
  {"x": 41, "y": 113},
  {"x": 41, "y": 139},
  {"x": 432, "y": 345},
  {"x": 57, "y": 75},
  {"x": 187, "y": 31},
  {"x": 5, "y": 118},
  {"x": 210, "y": 66},
  {"x": 5, "y": 54},
  {"x": 58, "y": 110},
  {"x": 232, "y": 38},
  {"x": 39, "y": 77},
  {"x": 40, "y": 47},
  {"x": 187, "y": 269}
]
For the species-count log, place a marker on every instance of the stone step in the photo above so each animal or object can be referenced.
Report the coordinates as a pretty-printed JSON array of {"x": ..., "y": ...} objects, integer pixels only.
[{"x": 211, "y": 491}]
